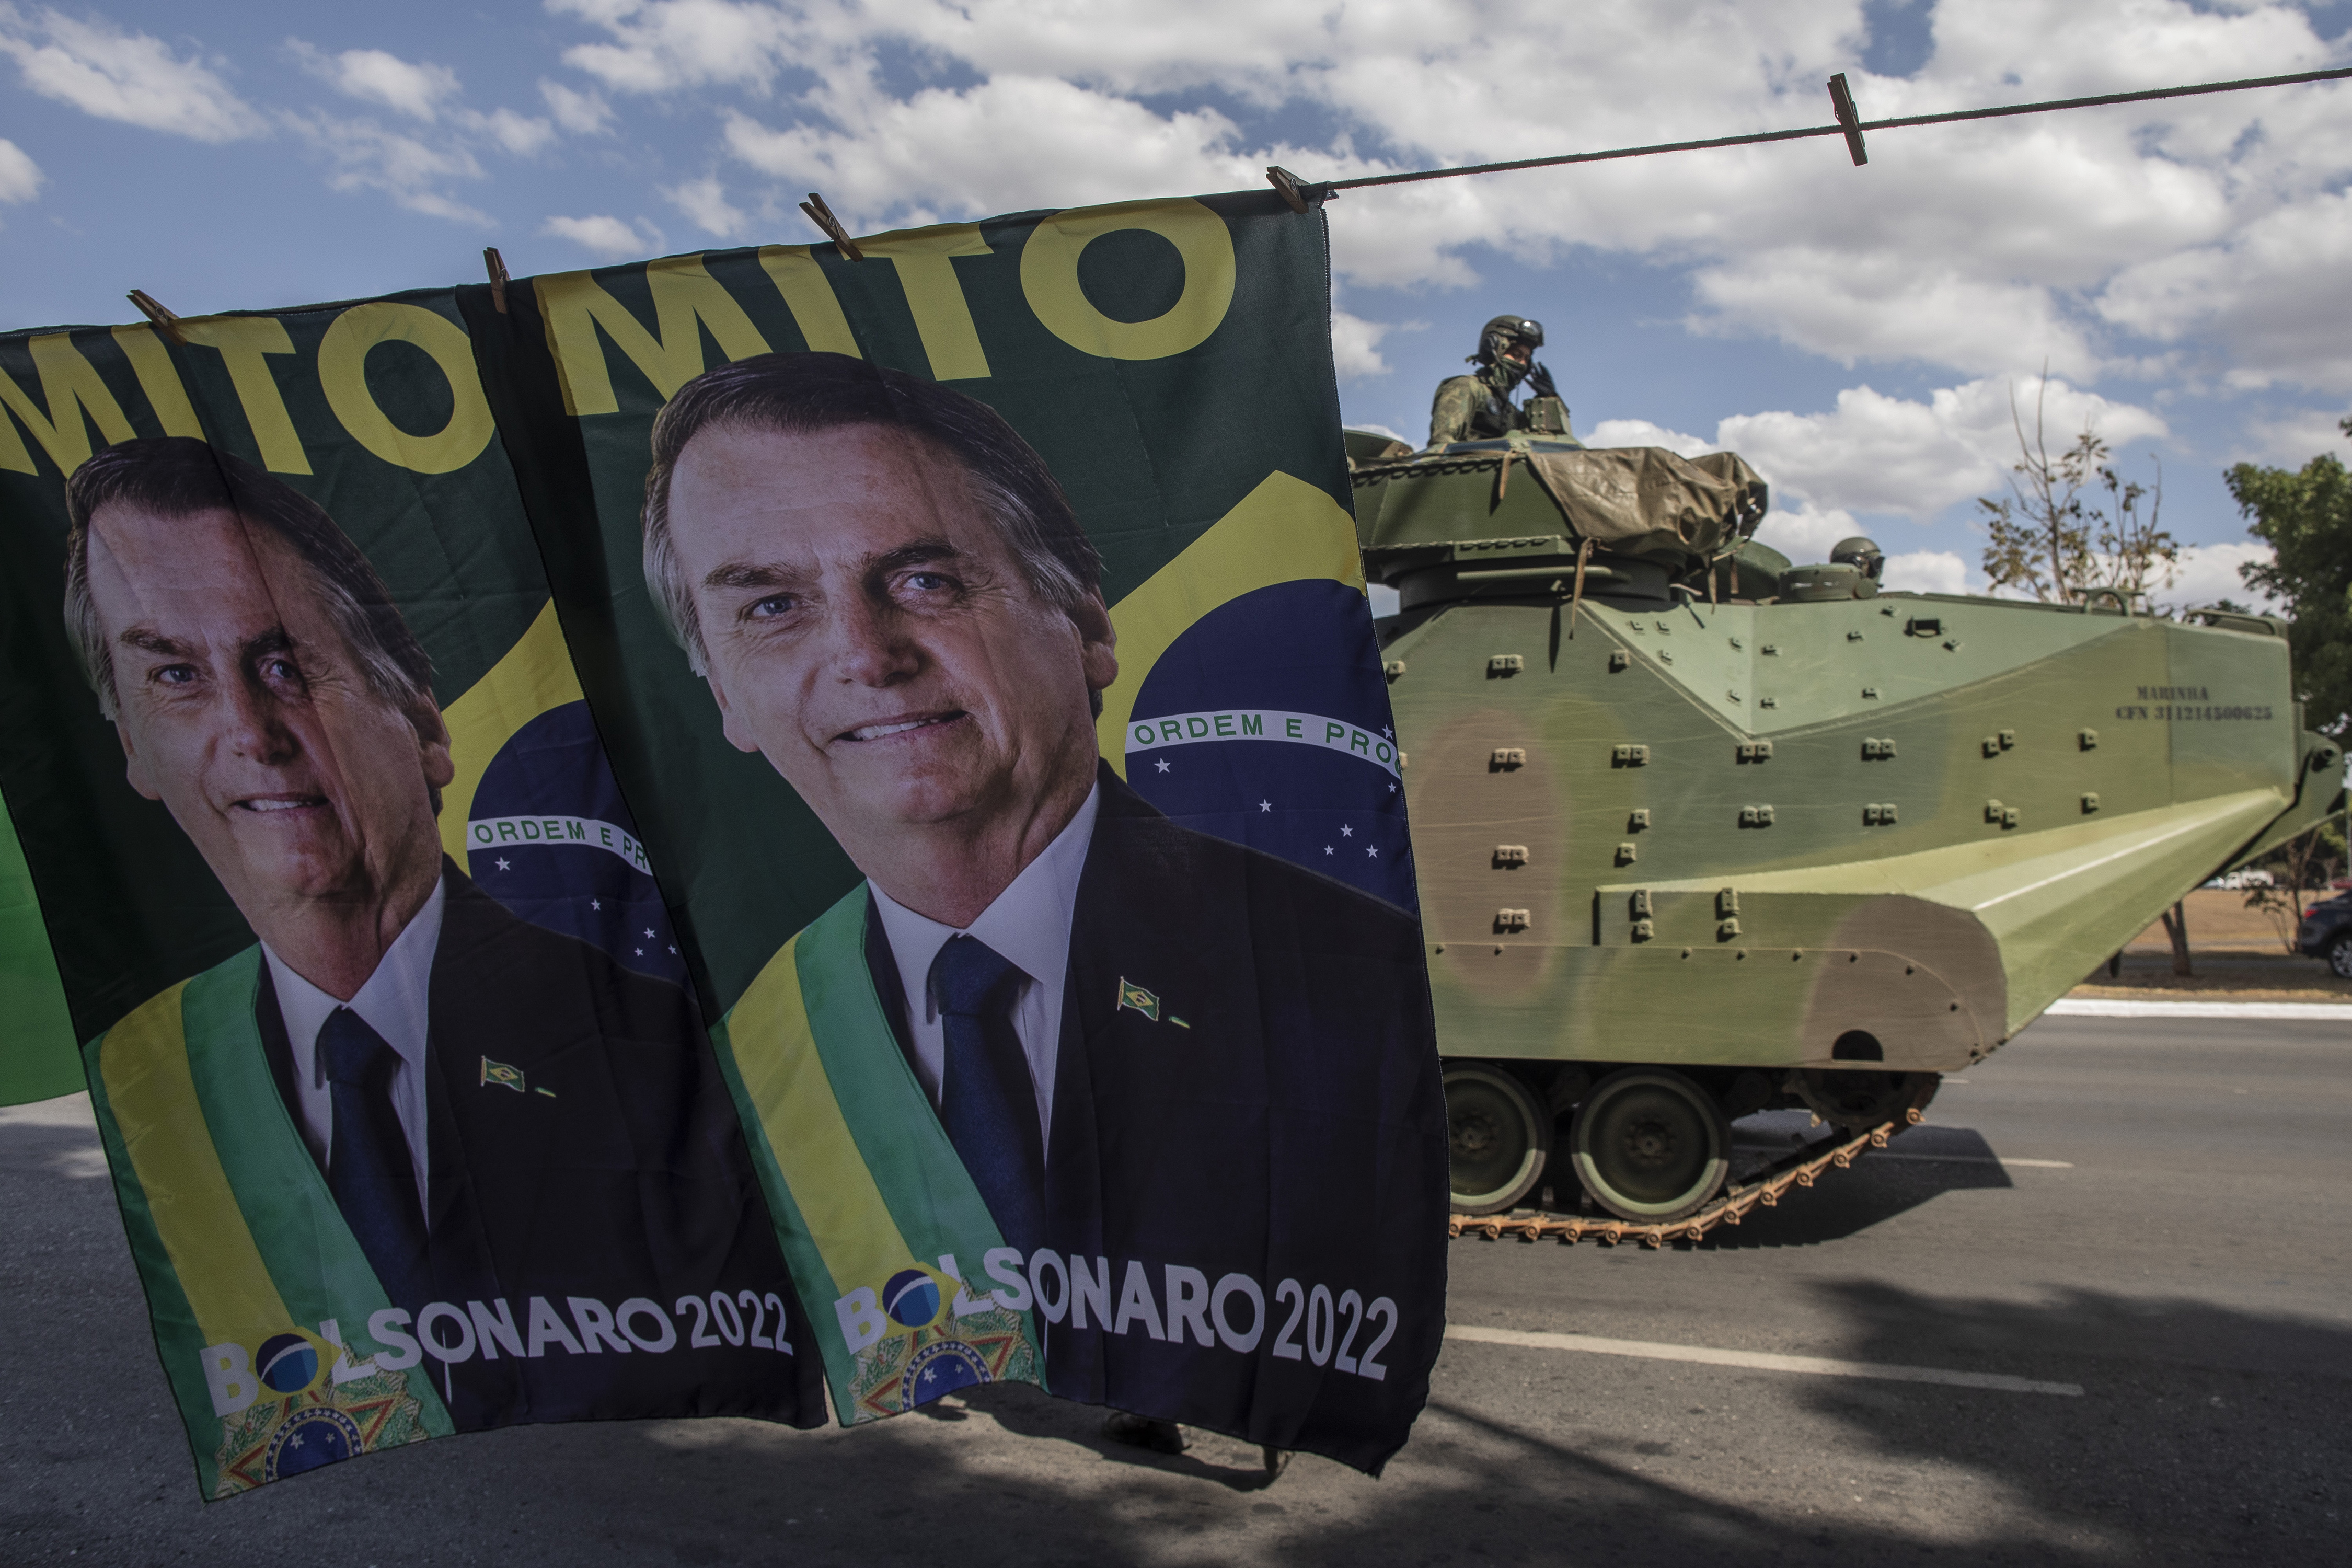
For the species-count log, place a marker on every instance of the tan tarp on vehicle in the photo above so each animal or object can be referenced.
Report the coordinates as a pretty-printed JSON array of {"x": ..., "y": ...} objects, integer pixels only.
[{"x": 1645, "y": 499}]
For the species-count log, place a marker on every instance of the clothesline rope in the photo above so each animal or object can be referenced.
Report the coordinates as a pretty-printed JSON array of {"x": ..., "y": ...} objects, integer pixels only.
[{"x": 1754, "y": 138}]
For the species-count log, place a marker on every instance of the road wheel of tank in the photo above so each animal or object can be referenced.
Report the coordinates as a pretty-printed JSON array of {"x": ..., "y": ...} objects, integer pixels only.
[
  {"x": 1498, "y": 1135},
  {"x": 1650, "y": 1145},
  {"x": 2339, "y": 956},
  {"x": 1856, "y": 1102}
]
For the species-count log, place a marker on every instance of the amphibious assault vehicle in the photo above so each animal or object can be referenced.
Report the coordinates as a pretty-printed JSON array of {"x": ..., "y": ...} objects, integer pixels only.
[{"x": 1702, "y": 833}]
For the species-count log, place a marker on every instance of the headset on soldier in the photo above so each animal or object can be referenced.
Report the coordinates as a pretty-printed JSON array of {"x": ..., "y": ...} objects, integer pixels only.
[{"x": 1511, "y": 342}]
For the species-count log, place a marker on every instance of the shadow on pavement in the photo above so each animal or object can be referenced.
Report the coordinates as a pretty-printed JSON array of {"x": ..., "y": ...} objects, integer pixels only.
[
  {"x": 2207, "y": 1434},
  {"x": 1928, "y": 1161},
  {"x": 2203, "y": 1435}
]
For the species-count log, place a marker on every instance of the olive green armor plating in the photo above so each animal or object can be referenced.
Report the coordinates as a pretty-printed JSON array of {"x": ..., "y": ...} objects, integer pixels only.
[{"x": 1760, "y": 828}]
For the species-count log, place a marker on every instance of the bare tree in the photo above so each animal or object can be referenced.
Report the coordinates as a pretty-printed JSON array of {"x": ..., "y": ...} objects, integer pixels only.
[
  {"x": 2305, "y": 862},
  {"x": 2176, "y": 929},
  {"x": 2130, "y": 552},
  {"x": 2057, "y": 536}
]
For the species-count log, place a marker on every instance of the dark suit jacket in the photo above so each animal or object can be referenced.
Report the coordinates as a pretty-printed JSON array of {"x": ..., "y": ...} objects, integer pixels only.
[
  {"x": 1291, "y": 1127},
  {"x": 628, "y": 1178}
]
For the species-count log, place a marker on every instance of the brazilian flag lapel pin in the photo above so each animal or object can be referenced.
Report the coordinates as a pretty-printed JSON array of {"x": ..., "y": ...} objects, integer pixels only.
[
  {"x": 1131, "y": 994},
  {"x": 502, "y": 1075}
]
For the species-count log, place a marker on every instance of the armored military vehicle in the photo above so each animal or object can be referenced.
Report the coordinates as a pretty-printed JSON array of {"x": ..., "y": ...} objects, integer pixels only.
[{"x": 1702, "y": 833}]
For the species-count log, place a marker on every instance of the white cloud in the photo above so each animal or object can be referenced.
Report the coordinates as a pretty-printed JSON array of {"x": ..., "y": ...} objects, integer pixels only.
[
  {"x": 661, "y": 46},
  {"x": 604, "y": 235},
  {"x": 1010, "y": 142},
  {"x": 414, "y": 88},
  {"x": 2211, "y": 226},
  {"x": 2206, "y": 573},
  {"x": 1808, "y": 534},
  {"x": 705, "y": 202},
  {"x": 414, "y": 174},
  {"x": 1880, "y": 454},
  {"x": 2291, "y": 437},
  {"x": 1855, "y": 307},
  {"x": 1925, "y": 571},
  {"x": 582, "y": 113},
  {"x": 523, "y": 135},
  {"x": 129, "y": 76},
  {"x": 1641, "y": 433},
  {"x": 20, "y": 177},
  {"x": 1356, "y": 345},
  {"x": 2255, "y": 291}
]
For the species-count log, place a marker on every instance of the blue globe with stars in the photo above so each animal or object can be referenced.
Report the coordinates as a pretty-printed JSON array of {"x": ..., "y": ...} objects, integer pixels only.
[
  {"x": 550, "y": 837},
  {"x": 1267, "y": 723},
  {"x": 941, "y": 1368},
  {"x": 309, "y": 1437}
]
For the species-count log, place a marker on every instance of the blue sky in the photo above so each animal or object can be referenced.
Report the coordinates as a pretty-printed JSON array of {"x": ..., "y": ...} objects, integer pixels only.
[{"x": 1856, "y": 333}]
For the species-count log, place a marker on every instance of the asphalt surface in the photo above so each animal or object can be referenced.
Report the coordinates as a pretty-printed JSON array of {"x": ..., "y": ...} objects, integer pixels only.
[{"x": 2180, "y": 1257}]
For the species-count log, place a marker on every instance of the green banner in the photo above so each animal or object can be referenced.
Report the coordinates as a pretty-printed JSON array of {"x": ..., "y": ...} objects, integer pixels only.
[
  {"x": 36, "y": 1053},
  {"x": 646, "y": 841}
]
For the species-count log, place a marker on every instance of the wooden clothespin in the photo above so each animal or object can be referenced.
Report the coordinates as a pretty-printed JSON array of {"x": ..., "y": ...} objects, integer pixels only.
[
  {"x": 498, "y": 268},
  {"x": 1288, "y": 184},
  {"x": 165, "y": 323},
  {"x": 1848, "y": 120},
  {"x": 821, "y": 216}
]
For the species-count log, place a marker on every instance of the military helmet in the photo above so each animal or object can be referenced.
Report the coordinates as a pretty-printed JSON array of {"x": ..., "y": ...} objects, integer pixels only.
[
  {"x": 1861, "y": 554},
  {"x": 1504, "y": 330}
]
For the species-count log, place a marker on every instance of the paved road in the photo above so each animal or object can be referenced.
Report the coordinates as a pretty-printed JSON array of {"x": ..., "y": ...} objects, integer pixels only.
[{"x": 2185, "y": 1266}]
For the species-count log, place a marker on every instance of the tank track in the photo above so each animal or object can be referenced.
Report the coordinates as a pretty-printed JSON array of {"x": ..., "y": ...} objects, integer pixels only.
[{"x": 1761, "y": 1190}]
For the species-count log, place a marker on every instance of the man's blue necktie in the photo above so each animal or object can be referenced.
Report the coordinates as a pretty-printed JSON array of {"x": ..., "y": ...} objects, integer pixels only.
[
  {"x": 369, "y": 1170},
  {"x": 986, "y": 1100}
]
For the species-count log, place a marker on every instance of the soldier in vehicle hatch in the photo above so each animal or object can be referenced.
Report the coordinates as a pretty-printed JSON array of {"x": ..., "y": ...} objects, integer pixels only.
[{"x": 1479, "y": 407}]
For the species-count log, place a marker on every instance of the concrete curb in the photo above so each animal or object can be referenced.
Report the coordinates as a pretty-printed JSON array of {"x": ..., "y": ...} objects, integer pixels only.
[{"x": 2104, "y": 1008}]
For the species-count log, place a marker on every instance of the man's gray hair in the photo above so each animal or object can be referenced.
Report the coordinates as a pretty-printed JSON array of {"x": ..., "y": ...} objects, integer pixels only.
[
  {"x": 179, "y": 476},
  {"x": 800, "y": 393}
]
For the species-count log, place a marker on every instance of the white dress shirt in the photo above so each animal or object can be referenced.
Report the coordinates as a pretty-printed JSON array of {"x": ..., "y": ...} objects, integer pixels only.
[
  {"x": 1029, "y": 926},
  {"x": 395, "y": 1004}
]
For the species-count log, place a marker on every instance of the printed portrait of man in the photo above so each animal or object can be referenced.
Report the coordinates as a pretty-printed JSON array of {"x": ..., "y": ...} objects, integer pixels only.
[
  {"x": 1144, "y": 1042},
  {"x": 510, "y": 1124}
]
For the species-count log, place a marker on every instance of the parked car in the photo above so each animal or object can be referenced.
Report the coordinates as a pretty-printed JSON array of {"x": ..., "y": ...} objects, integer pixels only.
[
  {"x": 2239, "y": 881},
  {"x": 2325, "y": 933}
]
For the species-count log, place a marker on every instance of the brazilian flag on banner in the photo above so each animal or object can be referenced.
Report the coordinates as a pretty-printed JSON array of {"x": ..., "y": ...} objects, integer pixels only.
[{"x": 638, "y": 842}]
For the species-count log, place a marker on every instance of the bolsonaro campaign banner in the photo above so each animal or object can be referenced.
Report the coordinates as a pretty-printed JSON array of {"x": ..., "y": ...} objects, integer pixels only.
[{"x": 686, "y": 837}]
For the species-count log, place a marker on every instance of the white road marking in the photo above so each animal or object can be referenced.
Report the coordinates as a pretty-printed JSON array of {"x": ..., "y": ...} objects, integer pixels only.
[
  {"x": 65, "y": 1110},
  {"x": 2104, "y": 1008},
  {"x": 1758, "y": 1361},
  {"x": 1974, "y": 1160}
]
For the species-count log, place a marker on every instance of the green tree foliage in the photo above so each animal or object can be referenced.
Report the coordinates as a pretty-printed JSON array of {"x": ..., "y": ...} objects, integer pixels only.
[
  {"x": 2306, "y": 516},
  {"x": 2072, "y": 523}
]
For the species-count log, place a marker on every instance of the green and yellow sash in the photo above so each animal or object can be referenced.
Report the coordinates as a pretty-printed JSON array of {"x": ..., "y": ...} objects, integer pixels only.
[
  {"x": 260, "y": 1298},
  {"x": 869, "y": 1194},
  {"x": 887, "y": 1239}
]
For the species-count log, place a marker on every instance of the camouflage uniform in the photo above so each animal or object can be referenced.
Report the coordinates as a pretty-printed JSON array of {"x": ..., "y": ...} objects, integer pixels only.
[
  {"x": 1475, "y": 407},
  {"x": 1478, "y": 407}
]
